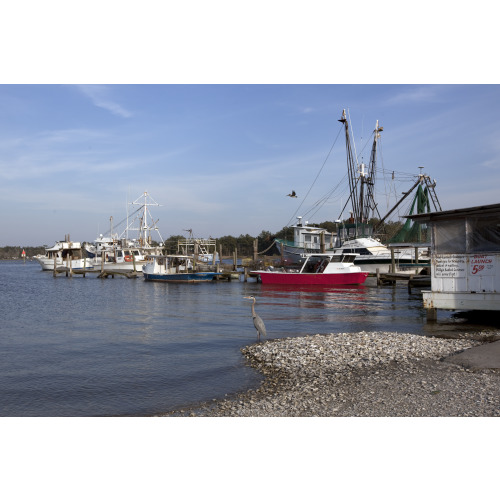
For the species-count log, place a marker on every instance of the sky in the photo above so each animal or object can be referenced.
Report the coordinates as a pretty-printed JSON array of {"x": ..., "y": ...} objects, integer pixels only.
[
  {"x": 221, "y": 158},
  {"x": 218, "y": 111}
]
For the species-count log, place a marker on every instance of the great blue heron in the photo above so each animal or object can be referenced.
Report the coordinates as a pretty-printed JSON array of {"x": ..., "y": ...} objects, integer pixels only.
[
  {"x": 257, "y": 320},
  {"x": 292, "y": 195}
]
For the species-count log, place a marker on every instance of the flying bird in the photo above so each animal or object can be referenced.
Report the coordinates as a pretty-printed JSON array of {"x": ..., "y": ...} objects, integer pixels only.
[
  {"x": 257, "y": 320},
  {"x": 292, "y": 195}
]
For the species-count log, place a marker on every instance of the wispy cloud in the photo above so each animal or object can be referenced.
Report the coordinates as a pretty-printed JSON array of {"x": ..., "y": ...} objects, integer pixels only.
[
  {"x": 415, "y": 95},
  {"x": 100, "y": 97}
]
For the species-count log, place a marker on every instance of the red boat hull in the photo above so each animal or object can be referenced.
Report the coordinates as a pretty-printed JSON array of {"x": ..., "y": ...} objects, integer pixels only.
[{"x": 312, "y": 279}]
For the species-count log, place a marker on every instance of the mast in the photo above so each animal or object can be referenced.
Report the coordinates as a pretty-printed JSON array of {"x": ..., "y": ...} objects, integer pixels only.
[
  {"x": 361, "y": 179},
  {"x": 351, "y": 170},
  {"x": 369, "y": 207},
  {"x": 146, "y": 221}
]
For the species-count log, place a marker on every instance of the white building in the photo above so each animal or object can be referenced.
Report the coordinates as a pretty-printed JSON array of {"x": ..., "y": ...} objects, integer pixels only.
[{"x": 465, "y": 259}]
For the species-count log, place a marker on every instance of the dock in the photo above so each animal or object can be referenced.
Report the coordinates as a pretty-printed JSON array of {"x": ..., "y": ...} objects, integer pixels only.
[
  {"x": 414, "y": 280},
  {"x": 68, "y": 271}
]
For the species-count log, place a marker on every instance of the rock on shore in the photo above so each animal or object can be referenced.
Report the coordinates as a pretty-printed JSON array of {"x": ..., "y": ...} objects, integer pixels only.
[{"x": 362, "y": 374}]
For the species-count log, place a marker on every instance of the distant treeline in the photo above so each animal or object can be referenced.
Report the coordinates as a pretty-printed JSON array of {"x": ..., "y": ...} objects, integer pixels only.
[
  {"x": 242, "y": 244},
  {"x": 15, "y": 252}
]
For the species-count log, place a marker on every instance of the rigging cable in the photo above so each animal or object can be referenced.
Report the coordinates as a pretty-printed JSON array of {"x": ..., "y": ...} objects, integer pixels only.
[{"x": 316, "y": 178}]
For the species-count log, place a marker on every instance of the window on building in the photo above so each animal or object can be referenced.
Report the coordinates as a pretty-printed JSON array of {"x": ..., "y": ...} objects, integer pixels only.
[
  {"x": 483, "y": 234},
  {"x": 449, "y": 236}
]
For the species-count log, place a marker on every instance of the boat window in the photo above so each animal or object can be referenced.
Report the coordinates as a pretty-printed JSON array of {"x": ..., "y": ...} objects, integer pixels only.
[
  {"x": 307, "y": 237},
  {"x": 336, "y": 258},
  {"x": 349, "y": 257}
]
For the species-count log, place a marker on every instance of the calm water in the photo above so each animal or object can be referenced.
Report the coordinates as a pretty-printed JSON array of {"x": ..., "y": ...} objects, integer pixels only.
[{"x": 86, "y": 347}]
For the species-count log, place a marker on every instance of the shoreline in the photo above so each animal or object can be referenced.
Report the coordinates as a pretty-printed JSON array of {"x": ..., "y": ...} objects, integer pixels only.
[{"x": 364, "y": 374}]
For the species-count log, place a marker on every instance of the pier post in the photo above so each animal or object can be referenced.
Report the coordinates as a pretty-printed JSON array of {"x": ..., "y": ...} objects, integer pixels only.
[
  {"x": 378, "y": 276},
  {"x": 255, "y": 248},
  {"x": 55, "y": 264},
  {"x": 235, "y": 258},
  {"x": 393, "y": 261},
  {"x": 432, "y": 314}
]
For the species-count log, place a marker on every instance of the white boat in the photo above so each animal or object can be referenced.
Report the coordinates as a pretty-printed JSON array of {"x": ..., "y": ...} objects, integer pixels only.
[
  {"x": 64, "y": 253},
  {"x": 173, "y": 269},
  {"x": 371, "y": 254}
]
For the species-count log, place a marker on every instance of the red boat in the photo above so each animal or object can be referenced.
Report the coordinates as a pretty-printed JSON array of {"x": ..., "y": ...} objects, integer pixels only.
[{"x": 318, "y": 269}]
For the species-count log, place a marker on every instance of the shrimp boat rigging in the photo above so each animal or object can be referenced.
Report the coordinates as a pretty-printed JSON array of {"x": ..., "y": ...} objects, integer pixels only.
[
  {"x": 120, "y": 252},
  {"x": 357, "y": 235}
]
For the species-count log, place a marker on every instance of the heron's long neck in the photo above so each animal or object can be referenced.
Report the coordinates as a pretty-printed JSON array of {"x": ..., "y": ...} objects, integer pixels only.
[{"x": 253, "y": 307}]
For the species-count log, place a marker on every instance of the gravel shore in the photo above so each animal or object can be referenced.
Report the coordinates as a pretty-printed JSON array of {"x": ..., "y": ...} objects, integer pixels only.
[{"x": 365, "y": 374}]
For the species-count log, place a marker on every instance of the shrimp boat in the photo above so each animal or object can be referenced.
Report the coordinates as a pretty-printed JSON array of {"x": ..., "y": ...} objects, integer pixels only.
[
  {"x": 121, "y": 252},
  {"x": 174, "y": 269},
  {"x": 317, "y": 269},
  {"x": 355, "y": 234}
]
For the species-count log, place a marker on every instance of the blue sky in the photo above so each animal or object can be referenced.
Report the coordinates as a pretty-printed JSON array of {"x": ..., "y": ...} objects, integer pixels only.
[
  {"x": 220, "y": 159},
  {"x": 220, "y": 109}
]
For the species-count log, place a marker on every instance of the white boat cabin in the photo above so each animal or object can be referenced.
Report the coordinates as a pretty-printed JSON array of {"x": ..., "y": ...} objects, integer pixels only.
[
  {"x": 328, "y": 263},
  {"x": 167, "y": 264}
]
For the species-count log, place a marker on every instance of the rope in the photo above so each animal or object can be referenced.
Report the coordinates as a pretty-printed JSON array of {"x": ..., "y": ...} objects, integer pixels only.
[
  {"x": 268, "y": 248},
  {"x": 316, "y": 178}
]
